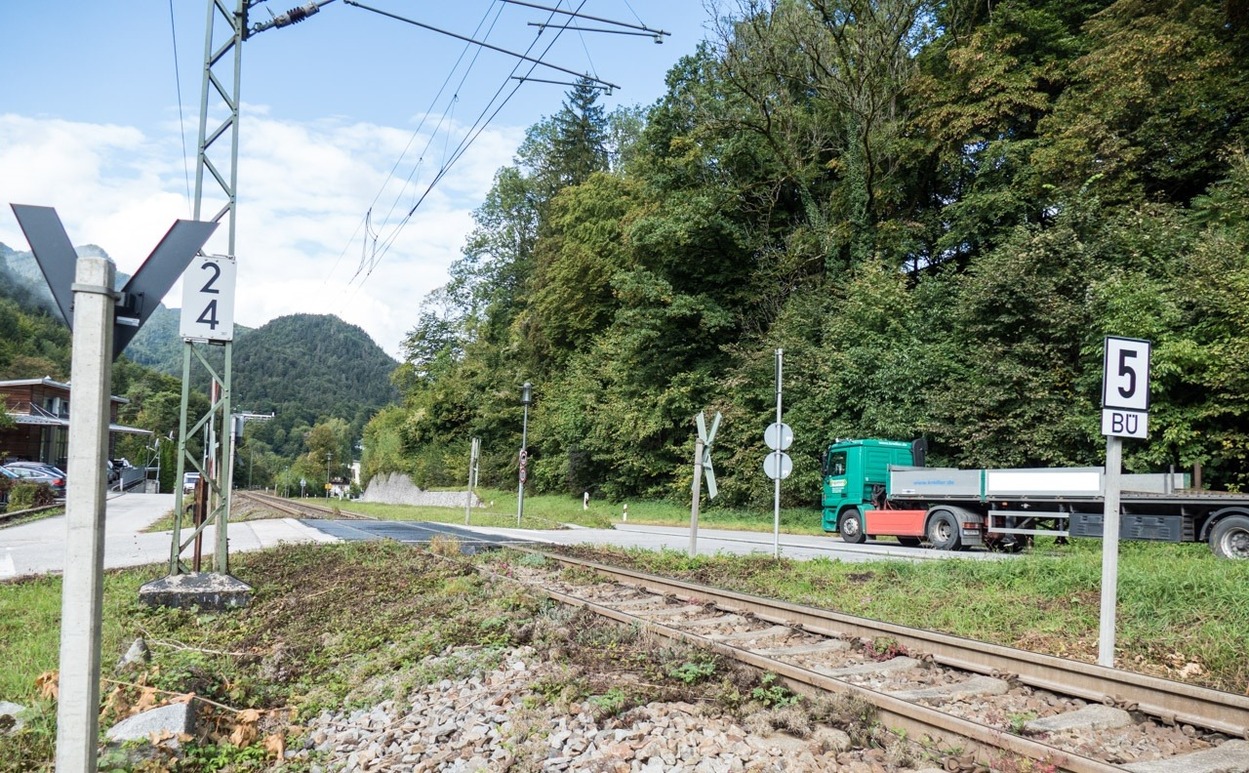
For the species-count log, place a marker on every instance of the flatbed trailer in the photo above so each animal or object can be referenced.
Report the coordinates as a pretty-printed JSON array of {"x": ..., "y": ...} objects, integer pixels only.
[{"x": 875, "y": 488}]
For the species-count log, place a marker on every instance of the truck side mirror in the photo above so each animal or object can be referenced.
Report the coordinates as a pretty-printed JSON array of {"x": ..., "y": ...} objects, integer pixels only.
[{"x": 919, "y": 451}]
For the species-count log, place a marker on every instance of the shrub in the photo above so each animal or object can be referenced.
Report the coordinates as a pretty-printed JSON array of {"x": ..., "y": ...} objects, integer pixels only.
[{"x": 26, "y": 495}]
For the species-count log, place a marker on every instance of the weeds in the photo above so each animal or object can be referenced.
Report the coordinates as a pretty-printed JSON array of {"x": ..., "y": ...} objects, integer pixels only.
[
  {"x": 610, "y": 704},
  {"x": 692, "y": 672},
  {"x": 773, "y": 694}
]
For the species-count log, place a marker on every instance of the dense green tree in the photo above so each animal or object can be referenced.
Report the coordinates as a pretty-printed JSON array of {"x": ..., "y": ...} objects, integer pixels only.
[{"x": 938, "y": 209}]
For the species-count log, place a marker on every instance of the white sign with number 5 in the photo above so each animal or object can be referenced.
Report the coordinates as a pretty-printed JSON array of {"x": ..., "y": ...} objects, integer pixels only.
[
  {"x": 208, "y": 298},
  {"x": 1125, "y": 387}
]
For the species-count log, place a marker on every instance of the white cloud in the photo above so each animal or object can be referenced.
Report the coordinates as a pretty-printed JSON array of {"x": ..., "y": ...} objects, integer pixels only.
[{"x": 304, "y": 189}]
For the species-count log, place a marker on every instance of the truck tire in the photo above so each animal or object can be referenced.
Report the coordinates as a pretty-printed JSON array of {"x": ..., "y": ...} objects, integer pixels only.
[
  {"x": 1230, "y": 537},
  {"x": 943, "y": 531},
  {"x": 850, "y": 527}
]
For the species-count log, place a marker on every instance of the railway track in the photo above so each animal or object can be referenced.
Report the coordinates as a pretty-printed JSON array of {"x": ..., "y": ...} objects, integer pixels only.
[
  {"x": 978, "y": 703},
  {"x": 299, "y": 509}
]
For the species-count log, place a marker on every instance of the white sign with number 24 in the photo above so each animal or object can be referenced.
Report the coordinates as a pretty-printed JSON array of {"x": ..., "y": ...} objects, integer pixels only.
[{"x": 208, "y": 298}]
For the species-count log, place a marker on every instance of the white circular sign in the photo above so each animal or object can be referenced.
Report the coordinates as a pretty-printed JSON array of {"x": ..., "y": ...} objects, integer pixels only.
[
  {"x": 778, "y": 437},
  {"x": 778, "y": 465}
]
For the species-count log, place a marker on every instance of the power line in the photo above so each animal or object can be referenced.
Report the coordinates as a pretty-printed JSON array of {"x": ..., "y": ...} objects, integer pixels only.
[
  {"x": 639, "y": 33},
  {"x": 458, "y": 36},
  {"x": 416, "y": 132},
  {"x": 578, "y": 15},
  {"x": 177, "y": 79},
  {"x": 474, "y": 131}
]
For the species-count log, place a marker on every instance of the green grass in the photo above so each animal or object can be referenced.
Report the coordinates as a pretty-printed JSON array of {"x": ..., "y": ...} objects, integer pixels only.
[
  {"x": 549, "y": 511},
  {"x": 303, "y": 643}
]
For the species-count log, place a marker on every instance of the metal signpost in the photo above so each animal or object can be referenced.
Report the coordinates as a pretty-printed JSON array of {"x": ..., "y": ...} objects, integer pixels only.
[
  {"x": 207, "y": 318},
  {"x": 526, "y": 399},
  {"x": 102, "y": 321},
  {"x": 778, "y": 437},
  {"x": 474, "y": 462},
  {"x": 1125, "y": 413},
  {"x": 702, "y": 464}
]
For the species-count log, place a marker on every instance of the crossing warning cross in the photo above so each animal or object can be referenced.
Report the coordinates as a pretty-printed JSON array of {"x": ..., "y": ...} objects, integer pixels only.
[{"x": 709, "y": 472}]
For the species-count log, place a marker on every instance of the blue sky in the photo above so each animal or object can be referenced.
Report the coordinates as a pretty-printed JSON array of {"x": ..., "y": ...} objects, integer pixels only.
[{"x": 90, "y": 124}]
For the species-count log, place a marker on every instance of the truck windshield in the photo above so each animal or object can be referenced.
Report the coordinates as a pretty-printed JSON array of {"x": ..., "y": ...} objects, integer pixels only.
[{"x": 836, "y": 463}]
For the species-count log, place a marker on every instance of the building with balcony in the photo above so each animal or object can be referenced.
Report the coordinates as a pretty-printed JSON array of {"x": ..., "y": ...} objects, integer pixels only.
[{"x": 39, "y": 415}]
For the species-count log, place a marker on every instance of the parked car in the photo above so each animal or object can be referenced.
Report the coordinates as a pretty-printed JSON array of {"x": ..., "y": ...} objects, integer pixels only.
[
  {"x": 4, "y": 492},
  {"x": 46, "y": 467},
  {"x": 40, "y": 475}
]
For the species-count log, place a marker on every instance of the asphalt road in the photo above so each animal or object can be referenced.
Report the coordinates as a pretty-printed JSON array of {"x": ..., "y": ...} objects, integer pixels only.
[{"x": 39, "y": 547}]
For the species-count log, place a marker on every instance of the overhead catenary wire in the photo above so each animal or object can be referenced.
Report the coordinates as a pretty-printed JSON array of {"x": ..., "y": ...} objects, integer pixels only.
[
  {"x": 429, "y": 141},
  {"x": 578, "y": 15},
  {"x": 474, "y": 131},
  {"x": 177, "y": 79},
  {"x": 483, "y": 44},
  {"x": 416, "y": 132},
  {"x": 639, "y": 33}
]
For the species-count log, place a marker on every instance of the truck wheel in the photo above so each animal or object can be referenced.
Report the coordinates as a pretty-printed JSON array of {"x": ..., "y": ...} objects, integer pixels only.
[
  {"x": 943, "y": 531},
  {"x": 1230, "y": 537},
  {"x": 850, "y": 527}
]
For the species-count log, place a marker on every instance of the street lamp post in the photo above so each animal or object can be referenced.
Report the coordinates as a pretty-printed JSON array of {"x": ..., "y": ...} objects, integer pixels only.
[{"x": 526, "y": 399}]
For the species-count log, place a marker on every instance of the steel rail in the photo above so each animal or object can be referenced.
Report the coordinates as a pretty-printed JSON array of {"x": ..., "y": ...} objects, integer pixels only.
[
  {"x": 915, "y": 720},
  {"x": 284, "y": 505},
  {"x": 1165, "y": 699}
]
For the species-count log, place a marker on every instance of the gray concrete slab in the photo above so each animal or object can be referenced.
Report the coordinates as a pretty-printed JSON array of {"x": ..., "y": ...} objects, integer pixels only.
[
  {"x": 901, "y": 663},
  {"x": 832, "y": 645},
  {"x": 977, "y": 685},
  {"x": 1230, "y": 757},
  {"x": 763, "y": 633},
  {"x": 1092, "y": 717},
  {"x": 206, "y": 590}
]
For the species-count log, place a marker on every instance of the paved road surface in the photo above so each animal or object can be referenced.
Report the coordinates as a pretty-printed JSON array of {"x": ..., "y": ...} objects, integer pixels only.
[{"x": 39, "y": 547}]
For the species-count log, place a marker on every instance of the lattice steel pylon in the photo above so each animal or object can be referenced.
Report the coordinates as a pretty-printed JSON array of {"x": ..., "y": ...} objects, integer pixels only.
[{"x": 223, "y": 56}]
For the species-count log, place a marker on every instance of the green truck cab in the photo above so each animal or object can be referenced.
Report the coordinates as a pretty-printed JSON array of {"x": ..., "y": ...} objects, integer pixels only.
[{"x": 856, "y": 474}]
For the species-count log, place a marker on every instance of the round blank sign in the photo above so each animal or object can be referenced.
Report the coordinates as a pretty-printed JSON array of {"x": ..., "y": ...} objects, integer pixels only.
[
  {"x": 778, "y": 437},
  {"x": 778, "y": 465}
]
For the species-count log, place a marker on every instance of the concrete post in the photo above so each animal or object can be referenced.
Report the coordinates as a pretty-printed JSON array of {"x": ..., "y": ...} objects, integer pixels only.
[
  {"x": 1110, "y": 554},
  {"x": 78, "y": 705},
  {"x": 698, "y": 492}
]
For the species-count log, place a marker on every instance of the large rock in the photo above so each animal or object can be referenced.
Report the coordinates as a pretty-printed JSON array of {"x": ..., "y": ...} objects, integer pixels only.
[
  {"x": 395, "y": 488},
  {"x": 165, "y": 722}
]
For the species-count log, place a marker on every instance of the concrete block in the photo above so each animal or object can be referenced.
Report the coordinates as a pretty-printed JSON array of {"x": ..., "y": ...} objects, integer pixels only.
[
  {"x": 1230, "y": 757},
  {"x": 1093, "y": 717},
  {"x": 174, "y": 719},
  {"x": 883, "y": 667},
  {"x": 977, "y": 685},
  {"x": 206, "y": 590}
]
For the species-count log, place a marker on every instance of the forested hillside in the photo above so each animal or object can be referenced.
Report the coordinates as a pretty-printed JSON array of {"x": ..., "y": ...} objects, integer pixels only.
[
  {"x": 309, "y": 368},
  {"x": 34, "y": 342},
  {"x": 937, "y": 209},
  {"x": 323, "y": 378}
]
